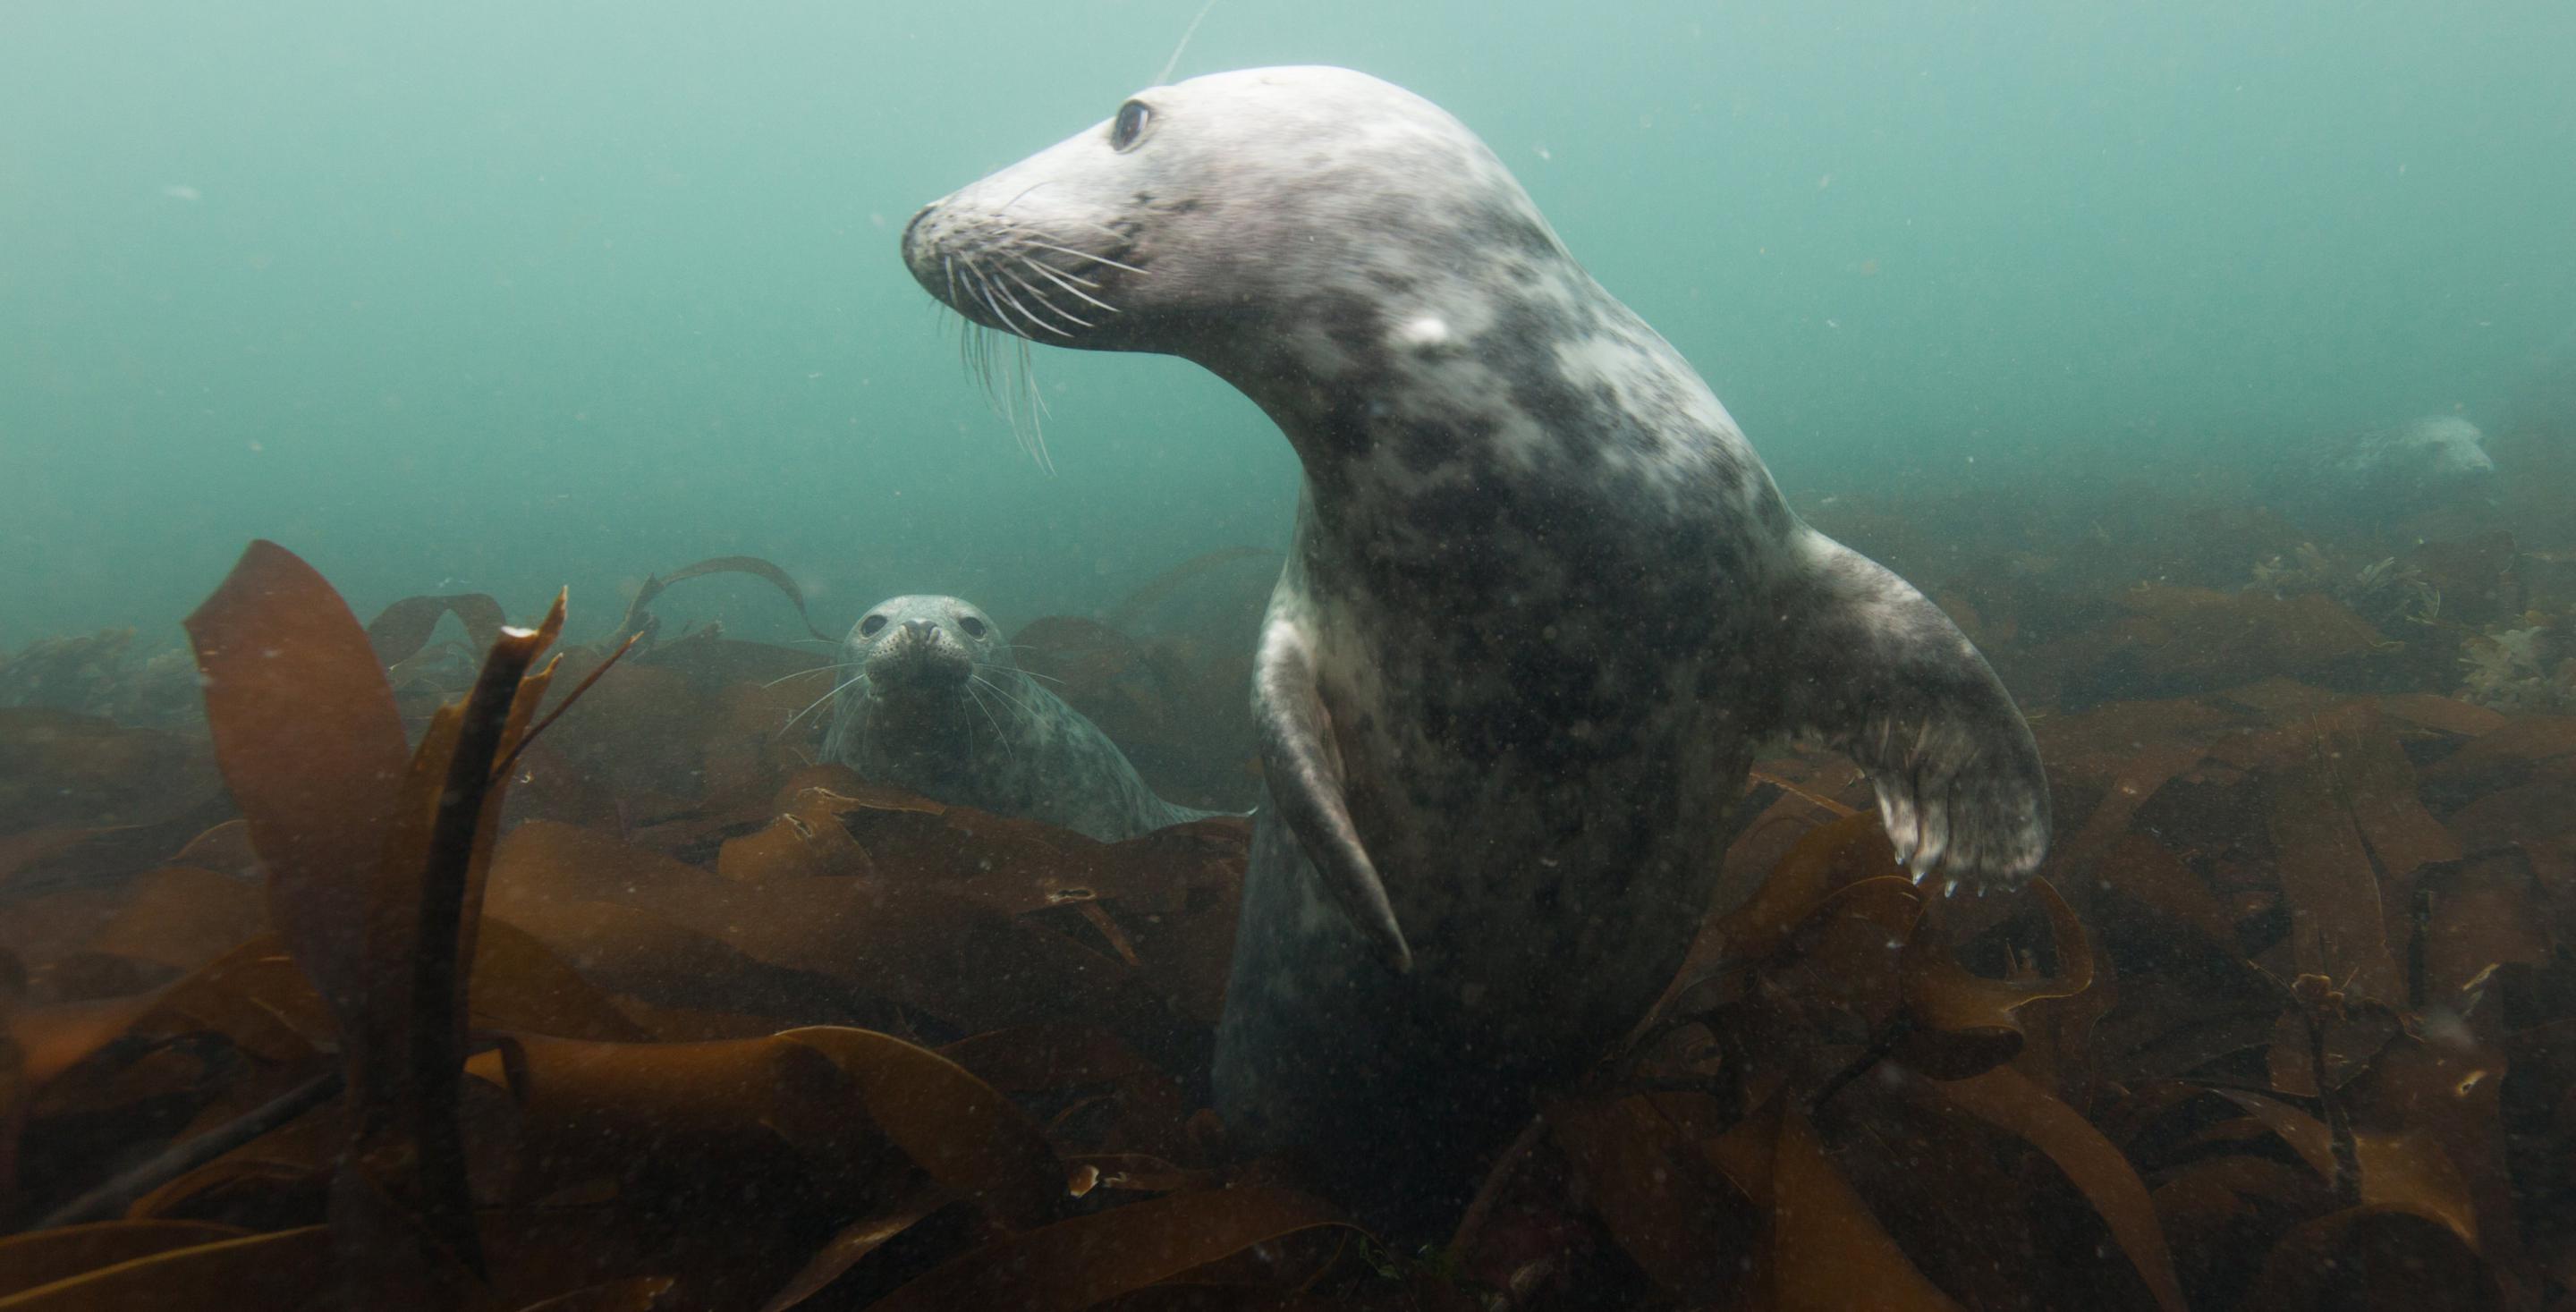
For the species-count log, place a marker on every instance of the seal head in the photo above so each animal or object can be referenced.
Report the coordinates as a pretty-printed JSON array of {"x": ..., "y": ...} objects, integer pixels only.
[{"x": 938, "y": 706}]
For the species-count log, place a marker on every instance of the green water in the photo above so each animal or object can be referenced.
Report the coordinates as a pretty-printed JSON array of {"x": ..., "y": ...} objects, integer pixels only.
[{"x": 495, "y": 297}]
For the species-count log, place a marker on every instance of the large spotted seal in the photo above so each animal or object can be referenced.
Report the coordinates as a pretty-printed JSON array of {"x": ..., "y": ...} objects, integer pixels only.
[
  {"x": 938, "y": 706},
  {"x": 1542, "y": 605}
]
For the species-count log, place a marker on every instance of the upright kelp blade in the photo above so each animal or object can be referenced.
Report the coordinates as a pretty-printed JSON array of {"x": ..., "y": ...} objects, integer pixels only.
[
  {"x": 306, "y": 733},
  {"x": 400, "y": 1202},
  {"x": 512, "y": 730}
]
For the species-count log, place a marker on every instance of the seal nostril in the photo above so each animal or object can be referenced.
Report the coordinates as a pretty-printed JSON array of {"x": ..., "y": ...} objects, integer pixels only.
[{"x": 914, "y": 226}]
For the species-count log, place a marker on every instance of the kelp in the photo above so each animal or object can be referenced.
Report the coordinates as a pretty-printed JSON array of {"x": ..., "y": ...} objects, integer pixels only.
[
  {"x": 638, "y": 618},
  {"x": 488, "y": 984}
]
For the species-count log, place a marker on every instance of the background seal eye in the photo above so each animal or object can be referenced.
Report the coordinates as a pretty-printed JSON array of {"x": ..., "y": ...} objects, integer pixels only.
[
  {"x": 973, "y": 626},
  {"x": 1133, "y": 118},
  {"x": 868, "y": 627}
]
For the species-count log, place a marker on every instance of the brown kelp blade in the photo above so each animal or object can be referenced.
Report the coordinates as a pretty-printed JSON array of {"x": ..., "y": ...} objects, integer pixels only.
[
  {"x": 285, "y": 1268},
  {"x": 1960, "y": 1023},
  {"x": 1087, "y": 1261},
  {"x": 404, "y": 1179},
  {"x": 2006, "y": 1099},
  {"x": 638, "y": 611},
  {"x": 827, "y": 1091},
  {"x": 400, "y": 630},
  {"x": 1821, "y": 1248},
  {"x": 307, "y": 735}
]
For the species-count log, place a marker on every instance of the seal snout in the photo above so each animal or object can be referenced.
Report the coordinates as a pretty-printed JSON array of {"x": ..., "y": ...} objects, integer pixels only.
[
  {"x": 913, "y": 229},
  {"x": 918, "y": 653},
  {"x": 920, "y": 258}
]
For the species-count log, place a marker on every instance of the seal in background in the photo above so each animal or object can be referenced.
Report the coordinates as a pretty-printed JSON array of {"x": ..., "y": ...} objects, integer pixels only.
[{"x": 938, "y": 706}]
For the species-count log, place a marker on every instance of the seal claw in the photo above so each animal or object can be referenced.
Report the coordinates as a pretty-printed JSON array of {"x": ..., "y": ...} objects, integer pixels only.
[{"x": 1889, "y": 680}]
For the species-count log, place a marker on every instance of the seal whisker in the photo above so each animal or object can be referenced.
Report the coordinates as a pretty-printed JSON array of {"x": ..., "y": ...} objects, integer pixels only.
[
  {"x": 1043, "y": 303},
  {"x": 998, "y": 736},
  {"x": 854, "y": 680},
  {"x": 836, "y": 665},
  {"x": 1025, "y": 311},
  {"x": 979, "y": 699},
  {"x": 1083, "y": 255},
  {"x": 983, "y": 289},
  {"x": 1095, "y": 223},
  {"x": 1017, "y": 670},
  {"x": 1027, "y": 426},
  {"x": 1051, "y": 276},
  {"x": 1024, "y": 408},
  {"x": 1026, "y": 258},
  {"x": 1026, "y": 712}
]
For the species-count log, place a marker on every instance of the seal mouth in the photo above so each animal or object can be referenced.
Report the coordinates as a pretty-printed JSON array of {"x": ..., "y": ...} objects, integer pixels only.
[{"x": 917, "y": 655}]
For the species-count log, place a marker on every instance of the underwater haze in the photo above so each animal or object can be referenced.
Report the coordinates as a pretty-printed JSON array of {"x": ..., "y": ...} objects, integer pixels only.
[{"x": 486, "y": 297}]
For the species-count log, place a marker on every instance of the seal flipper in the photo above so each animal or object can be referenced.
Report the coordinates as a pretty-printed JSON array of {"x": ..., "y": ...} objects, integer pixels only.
[
  {"x": 1879, "y": 673},
  {"x": 1304, "y": 772}
]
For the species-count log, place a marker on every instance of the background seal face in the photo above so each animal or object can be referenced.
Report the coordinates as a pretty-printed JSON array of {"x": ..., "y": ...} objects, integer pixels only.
[
  {"x": 2372, "y": 482},
  {"x": 933, "y": 702},
  {"x": 1542, "y": 606}
]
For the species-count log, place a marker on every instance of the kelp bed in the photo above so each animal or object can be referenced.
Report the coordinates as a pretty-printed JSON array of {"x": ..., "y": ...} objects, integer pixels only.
[{"x": 705, "y": 1025}]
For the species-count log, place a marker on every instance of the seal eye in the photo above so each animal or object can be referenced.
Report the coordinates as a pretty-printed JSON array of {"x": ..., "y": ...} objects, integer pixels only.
[
  {"x": 868, "y": 627},
  {"x": 973, "y": 626},
  {"x": 1130, "y": 127}
]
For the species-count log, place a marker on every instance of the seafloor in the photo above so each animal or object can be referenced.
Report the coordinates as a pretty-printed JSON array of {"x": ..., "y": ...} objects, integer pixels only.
[{"x": 2290, "y": 1023}]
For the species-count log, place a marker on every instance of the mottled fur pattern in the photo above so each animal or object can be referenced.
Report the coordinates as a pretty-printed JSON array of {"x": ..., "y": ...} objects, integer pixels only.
[
  {"x": 1543, "y": 604},
  {"x": 935, "y": 704}
]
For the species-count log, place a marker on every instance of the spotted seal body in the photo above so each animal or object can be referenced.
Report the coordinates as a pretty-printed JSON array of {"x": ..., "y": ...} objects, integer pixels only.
[
  {"x": 938, "y": 706},
  {"x": 1542, "y": 606}
]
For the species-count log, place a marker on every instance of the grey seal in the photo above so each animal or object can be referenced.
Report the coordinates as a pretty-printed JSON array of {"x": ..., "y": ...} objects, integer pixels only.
[
  {"x": 1543, "y": 604},
  {"x": 939, "y": 707},
  {"x": 2387, "y": 473}
]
